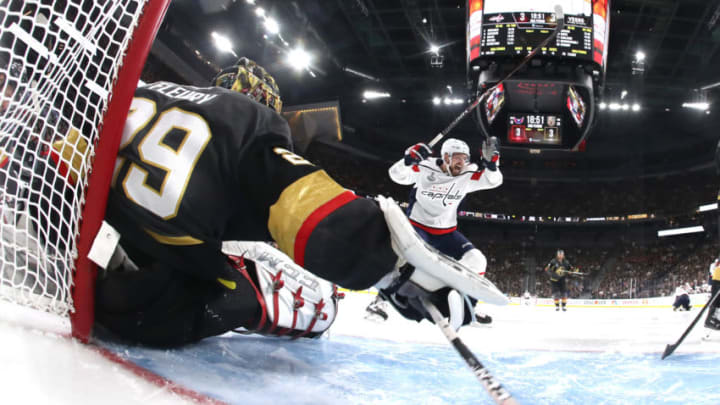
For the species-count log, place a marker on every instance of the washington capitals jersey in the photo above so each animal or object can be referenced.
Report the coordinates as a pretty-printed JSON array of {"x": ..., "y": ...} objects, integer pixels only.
[{"x": 436, "y": 195}]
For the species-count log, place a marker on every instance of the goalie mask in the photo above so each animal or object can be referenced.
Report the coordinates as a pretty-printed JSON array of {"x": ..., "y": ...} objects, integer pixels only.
[{"x": 249, "y": 78}]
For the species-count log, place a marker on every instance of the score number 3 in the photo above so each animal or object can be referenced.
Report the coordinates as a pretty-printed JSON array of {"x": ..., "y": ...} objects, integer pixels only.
[{"x": 176, "y": 163}]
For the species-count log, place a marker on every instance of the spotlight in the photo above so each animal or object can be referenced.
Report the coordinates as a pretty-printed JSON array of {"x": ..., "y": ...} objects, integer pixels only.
[
  {"x": 260, "y": 12},
  {"x": 614, "y": 106},
  {"x": 697, "y": 106},
  {"x": 434, "y": 49},
  {"x": 272, "y": 26},
  {"x": 603, "y": 106},
  {"x": 437, "y": 100},
  {"x": 623, "y": 94},
  {"x": 299, "y": 58},
  {"x": 625, "y": 107},
  {"x": 636, "y": 107},
  {"x": 222, "y": 43},
  {"x": 372, "y": 95},
  {"x": 640, "y": 56}
]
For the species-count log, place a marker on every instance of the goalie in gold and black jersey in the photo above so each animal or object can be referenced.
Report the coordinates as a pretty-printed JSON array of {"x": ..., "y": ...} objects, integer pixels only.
[
  {"x": 557, "y": 269},
  {"x": 198, "y": 167}
]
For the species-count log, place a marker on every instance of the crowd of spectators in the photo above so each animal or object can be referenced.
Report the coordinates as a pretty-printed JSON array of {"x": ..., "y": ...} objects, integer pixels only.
[
  {"x": 557, "y": 199},
  {"x": 638, "y": 269}
]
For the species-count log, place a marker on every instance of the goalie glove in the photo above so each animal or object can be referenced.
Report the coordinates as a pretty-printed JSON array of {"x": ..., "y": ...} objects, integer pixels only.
[
  {"x": 417, "y": 153},
  {"x": 422, "y": 271},
  {"x": 491, "y": 153}
]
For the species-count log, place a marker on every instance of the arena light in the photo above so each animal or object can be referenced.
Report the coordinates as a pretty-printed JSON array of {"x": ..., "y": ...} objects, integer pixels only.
[
  {"x": 434, "y": 49},
  {"x": 614, "y": 106},
  {"x": 680, "y": 231},
  {"x": 640, "y": 56},
  {"x": 603, "y": 105},
  {"x": 437, "y": 100},
  {"x": 260, "y": 12},
  {"x": 702, "y": 106},
  {"x": 272, "y": 26},
  {"x": 636, "y": 107},
  {"x": 373, "y": 95},
  {"x": 625, "y": 107},
  {"x": 222, "y": 43},
  {"x": 299, "y": 58},
  {"x": 250, "y": 1},
  {"x": 623, "y": 94},
  {"x": 708, "y": 207}
]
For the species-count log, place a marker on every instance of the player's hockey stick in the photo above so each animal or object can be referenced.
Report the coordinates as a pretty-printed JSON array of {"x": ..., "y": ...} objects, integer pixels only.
[
  {"x": 560, "y": 17},
  {"x": 498, "y": 393},
  {"x": 669, "y": 349}
]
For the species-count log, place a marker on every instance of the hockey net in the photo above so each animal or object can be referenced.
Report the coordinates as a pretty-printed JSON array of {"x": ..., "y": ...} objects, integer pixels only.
[{"x": 61, "y": 75}]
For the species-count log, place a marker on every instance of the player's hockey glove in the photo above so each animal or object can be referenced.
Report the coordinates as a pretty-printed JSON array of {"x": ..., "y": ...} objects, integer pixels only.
[
  {"x": 417, "y": 153},
  {"x": 491, "y": 153}
]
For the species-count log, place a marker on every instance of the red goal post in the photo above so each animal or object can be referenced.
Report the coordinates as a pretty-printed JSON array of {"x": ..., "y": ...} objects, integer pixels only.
[{"x": 66, "y": 66}]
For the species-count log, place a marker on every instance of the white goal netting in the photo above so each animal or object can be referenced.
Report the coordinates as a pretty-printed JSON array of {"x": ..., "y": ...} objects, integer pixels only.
[{"x": 59, "y": 60}]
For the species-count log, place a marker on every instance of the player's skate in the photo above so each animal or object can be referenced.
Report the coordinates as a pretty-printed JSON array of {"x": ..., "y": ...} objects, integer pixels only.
[{"x": 376, "y": 311}]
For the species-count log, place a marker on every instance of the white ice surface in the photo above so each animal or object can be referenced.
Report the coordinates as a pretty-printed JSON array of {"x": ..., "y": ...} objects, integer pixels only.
[
  {"x": 43, "y": 368},
  {"x": 38, "y": 367}
]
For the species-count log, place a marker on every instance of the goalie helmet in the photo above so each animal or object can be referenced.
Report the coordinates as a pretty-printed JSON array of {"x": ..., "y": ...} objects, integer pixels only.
[
  {"x": 249, "y": 78},
  {"x": 452, "y": 146}
]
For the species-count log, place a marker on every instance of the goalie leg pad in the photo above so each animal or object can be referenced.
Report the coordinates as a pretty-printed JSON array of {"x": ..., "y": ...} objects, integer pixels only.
[
  {"x": 297, "y": 303},
  {"x": 475, "y": 260},
  {"x": 433, "y": 270}
]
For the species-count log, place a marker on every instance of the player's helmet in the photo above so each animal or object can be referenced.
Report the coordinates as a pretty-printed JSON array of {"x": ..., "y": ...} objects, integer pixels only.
[
  {"x": 452, "y": 146},
  {"x": 249, "y": 78}
]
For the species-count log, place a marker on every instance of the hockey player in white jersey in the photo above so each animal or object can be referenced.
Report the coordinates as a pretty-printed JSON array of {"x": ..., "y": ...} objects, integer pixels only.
[{"x": 439, "y": 186}]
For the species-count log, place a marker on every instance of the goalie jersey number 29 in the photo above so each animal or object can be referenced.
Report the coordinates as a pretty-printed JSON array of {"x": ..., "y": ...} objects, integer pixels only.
[{"x": 168, "y": 153}]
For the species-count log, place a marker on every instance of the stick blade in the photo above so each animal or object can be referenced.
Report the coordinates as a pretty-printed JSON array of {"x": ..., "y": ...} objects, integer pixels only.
[{"x": 669, "y": 349}]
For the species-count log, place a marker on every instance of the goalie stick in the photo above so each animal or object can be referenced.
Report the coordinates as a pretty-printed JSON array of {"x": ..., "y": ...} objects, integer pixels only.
[
  {"x": 560, "y": 17},
  {"x": 498, "y": 393},
  {"x": 669, "y": 349}
]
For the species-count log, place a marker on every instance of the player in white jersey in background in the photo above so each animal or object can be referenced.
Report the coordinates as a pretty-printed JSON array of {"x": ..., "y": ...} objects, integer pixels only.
[
  {"x": 439, "y": 186},
  {"x": 682, "y": 297}
]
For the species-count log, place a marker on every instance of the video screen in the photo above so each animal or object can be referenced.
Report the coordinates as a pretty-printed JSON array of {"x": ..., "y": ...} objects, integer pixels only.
[
  {"x": 515, "y": 28},
  {"x": 535, "y": 129},
  {"x": 576, "y": 106},
  {"x": 494, "y": 103}
]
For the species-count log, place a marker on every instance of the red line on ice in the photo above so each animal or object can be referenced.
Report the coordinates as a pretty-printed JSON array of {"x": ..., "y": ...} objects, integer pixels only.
[{"x": 156, "y": 379}]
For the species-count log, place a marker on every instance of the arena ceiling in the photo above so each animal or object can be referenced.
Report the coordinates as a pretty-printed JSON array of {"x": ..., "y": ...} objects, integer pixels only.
[{"x": 388, "y": 42}]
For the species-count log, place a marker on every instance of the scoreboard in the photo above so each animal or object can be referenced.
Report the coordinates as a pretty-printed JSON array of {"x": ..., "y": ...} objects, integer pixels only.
[
  {"x": 518, "y": 33},
  {"x": 497, "y": 28},
  {"x": 544, "y": 129}
]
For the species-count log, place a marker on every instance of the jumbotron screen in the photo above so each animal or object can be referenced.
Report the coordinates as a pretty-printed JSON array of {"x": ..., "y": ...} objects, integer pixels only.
[
  {"x": 535, "y": 129},
  {"x": 509, "y": 28}
]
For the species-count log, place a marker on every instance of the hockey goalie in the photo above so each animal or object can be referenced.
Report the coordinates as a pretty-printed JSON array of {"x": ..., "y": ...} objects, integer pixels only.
[{"x": 201, "y": 166}]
